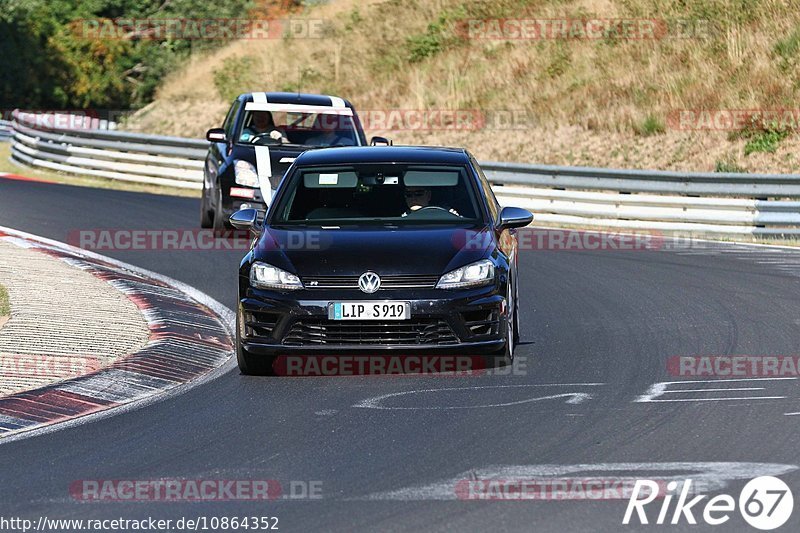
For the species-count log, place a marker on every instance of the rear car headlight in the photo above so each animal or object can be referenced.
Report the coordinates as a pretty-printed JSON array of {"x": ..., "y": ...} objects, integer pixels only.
[
  {"x": 265, "y": 276},
  {"x": 478, "y": 273},
  {"x": 245, "y": 173}
]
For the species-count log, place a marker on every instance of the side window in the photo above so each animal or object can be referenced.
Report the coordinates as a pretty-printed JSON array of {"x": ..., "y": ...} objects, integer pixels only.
[
  {"x": 491, "y": 201},
  {"x": 231, "y": 118}
]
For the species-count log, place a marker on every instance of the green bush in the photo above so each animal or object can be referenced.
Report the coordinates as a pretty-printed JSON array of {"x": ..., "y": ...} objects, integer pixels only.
[
  {"x": 234, "y": 77},
  {"x": 426, "y": 44},
  {"x": 786, "y": 50},
  {"x": 765, "y": 141},
  {"x": 761, "y": 136},
  {"x": 49, "y": 60},
  {"x": 729, "y": 165},
  {"x": 446, "y": 32},
  {"x": 651, "y": 125}
]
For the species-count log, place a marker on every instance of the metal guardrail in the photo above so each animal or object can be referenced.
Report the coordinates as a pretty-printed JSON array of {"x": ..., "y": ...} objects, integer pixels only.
[
  {"x": 119, "y": 155},
  {"x": 692, "y": 202},
  {"x": 6, "y": 131}
]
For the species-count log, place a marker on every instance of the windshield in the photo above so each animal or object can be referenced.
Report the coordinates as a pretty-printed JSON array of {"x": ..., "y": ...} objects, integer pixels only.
[
  {"x": 377, "y": 194},
  {"x": 294, "y": 128}
]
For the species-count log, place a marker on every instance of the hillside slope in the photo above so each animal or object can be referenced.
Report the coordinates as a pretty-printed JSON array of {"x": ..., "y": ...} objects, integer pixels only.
[{"x": 609, "y": 101}]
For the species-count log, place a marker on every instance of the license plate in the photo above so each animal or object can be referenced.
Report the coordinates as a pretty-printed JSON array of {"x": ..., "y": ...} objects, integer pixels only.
[{"x": 370, "y": 310}]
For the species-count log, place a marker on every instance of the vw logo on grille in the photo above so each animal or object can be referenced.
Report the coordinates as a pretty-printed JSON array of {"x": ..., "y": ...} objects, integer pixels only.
[{"x": 369, "y": 282}]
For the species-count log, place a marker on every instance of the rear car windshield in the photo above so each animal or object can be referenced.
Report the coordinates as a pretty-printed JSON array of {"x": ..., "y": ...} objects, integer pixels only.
[
  {"x": 378, "y": 194},
  {"x": 301, "y": 129}
]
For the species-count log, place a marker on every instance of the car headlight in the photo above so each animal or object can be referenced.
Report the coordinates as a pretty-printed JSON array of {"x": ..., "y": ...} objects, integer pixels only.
[
  {"x": 266, "y": 276},
  {"x": 245, "y": 174},
  {"x": 478, "y": 273}
]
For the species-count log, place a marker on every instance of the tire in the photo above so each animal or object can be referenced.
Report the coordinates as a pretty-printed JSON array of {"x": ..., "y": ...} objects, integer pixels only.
[
  {"x": 219, "y": 224},
  {"x": 252, "y": 364},
  {"x": 206, "y": 218},
  {"x": 516, "y": 314},
  {"x": 505, "y": 355}
]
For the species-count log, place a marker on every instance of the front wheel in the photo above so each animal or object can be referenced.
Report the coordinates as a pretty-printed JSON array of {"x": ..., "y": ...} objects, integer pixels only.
[{"x": 505, "y": 355}]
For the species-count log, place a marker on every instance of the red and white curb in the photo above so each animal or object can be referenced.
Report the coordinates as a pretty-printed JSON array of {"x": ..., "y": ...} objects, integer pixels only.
[
  {"x": 17, "y": 177},
  {"x": 190, "y": 338}
]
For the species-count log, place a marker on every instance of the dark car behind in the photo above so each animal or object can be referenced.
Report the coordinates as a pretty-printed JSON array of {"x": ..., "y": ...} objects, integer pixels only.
[{"x": 243, "y": 168}]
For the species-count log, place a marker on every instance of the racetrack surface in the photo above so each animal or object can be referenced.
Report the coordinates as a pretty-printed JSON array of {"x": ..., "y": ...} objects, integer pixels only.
[{"x": 601, "y": 324}]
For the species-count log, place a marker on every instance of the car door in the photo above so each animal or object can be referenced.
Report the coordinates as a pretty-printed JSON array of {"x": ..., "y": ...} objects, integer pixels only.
[{"x": 218, "y": 152}]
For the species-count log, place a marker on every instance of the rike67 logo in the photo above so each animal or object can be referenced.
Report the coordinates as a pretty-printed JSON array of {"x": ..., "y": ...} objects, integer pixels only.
[{"x": 765, "y": 503}]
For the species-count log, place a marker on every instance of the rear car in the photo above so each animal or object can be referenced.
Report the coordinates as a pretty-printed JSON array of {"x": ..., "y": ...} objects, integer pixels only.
[
  {"x": 261, "y": 136},
  {"x": 392, "y": 250}
]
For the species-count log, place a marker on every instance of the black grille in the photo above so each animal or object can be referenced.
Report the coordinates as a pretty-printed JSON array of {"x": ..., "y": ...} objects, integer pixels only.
[
  {"x": 418, "y": 331},
  {"x": 387, "y": 282},
  {"x": 259, "y": 323},
  {"x": 482, "y": 322}
]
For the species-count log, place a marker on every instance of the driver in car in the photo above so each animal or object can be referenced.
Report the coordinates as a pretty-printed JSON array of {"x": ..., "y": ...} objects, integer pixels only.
[
  {"x": 262, "y": 124},
  {"x": 420, "y": 198}
]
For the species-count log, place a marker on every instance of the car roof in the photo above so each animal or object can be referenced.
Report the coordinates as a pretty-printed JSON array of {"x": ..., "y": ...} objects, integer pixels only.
[
  {"x": 296, "y": 98},
  {"x": 383, "y": 154}
]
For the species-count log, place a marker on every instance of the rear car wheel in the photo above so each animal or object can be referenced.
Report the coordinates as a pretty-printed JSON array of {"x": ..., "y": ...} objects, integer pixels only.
[
  {"x": 219, "y": 218},
  {"x": 251, "y": 364},
  {"x": 206, "y": 216}
]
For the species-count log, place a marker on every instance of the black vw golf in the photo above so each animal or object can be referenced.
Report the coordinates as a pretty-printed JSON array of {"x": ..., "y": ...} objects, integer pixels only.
[{"x": 379, "y": 250}]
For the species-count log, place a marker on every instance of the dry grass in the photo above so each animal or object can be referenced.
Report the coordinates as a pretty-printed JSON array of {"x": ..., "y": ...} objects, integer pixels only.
[{"x": 587, "y": 100}]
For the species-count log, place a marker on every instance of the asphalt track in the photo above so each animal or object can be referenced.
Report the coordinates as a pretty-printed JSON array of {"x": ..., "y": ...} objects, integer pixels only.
[{"x": 601, "y": 324}]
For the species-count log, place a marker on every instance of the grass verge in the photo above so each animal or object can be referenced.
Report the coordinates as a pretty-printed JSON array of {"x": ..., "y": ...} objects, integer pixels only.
[
  {"x": 6, "y": 165},
  {"x": 567, "y": 100},
  {"x": 5, "y": 306}
]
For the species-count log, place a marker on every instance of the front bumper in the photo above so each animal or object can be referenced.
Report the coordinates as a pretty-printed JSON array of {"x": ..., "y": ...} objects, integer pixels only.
[
  {"x": 463, "y": 322},
  {"x": 230, "y": 205}
]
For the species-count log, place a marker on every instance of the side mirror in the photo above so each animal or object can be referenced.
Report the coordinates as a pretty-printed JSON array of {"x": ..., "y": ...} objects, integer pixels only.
[
  {"x": 246, "y": 219},
  {"x": 378, "y": 141},
  {"x": 514, "y": 217},
  {"x": 216, "y": 135}
]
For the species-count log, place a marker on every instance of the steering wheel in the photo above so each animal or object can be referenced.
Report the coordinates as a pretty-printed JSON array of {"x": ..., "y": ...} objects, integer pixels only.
[
  {"x": 268, "y": 134},
  {"x": 439, "y": 208},
  {"x": 335, "y": 141}
]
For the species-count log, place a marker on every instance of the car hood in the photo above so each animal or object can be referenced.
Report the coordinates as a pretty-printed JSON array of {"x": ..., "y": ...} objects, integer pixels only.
[{"x": 388, "y": 251}]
